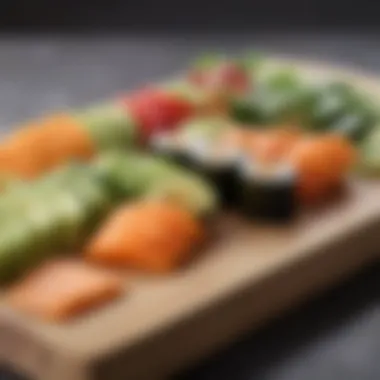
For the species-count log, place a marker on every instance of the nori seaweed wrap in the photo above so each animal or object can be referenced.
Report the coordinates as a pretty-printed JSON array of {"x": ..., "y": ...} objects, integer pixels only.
[
  {"x": 218, "y": 163},
  {"x": 170, "y": 146},
  {"x": 267, "y": 191}
]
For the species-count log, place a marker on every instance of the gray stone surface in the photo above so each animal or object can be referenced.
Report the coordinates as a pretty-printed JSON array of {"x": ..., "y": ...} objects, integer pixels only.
[{"x": 334, "y": 337}]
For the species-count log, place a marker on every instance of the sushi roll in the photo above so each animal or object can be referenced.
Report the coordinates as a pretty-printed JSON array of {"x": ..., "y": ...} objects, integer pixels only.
[
  {"x": 172, "y": 147},
  {"x": 218, "y": 163},
  {"x": 267, "y": 191}
]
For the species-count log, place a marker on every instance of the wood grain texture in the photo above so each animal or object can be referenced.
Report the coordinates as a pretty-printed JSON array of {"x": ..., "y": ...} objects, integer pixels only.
[{"x": 250, "y": 274}]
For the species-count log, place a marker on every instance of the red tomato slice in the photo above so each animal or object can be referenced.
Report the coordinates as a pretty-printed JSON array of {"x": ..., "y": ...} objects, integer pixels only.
[{"x": 156, "y": 110}]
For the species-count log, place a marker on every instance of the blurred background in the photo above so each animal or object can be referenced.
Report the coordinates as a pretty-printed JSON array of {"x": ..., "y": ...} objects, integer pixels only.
[
  {"x": 194, "y": 16},
  {"x": 55, "y": 54}
]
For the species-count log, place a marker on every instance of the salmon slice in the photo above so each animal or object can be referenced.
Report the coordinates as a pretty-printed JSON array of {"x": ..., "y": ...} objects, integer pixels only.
[
  {"x": 322, "y": 163},
  {"x": 41, "y": 146},
  {"x": 20, "y": 153},
  {"x": 266, "y": 145},
  {"x": 327, "y": 155},
  {"x": 152, "y": 236},
  {"x": 273, "y": 145},
  {"x": 64, "y": 288},
  {"x": 67, "y": 140}
]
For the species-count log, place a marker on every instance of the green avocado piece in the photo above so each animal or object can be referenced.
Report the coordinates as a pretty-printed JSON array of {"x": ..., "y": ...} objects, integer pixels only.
[
  {"x": 17, "y": 250},
  {"x": 191, "y": 192},
  {"x": 369, "y": 161},
  {"x": 109, "y": 125},
  {"x": 65, "y": 216},
  {"x": 139, "y": 175},
  {"x": 130, "y": 174},
  {"x": 95, "y": 200}
]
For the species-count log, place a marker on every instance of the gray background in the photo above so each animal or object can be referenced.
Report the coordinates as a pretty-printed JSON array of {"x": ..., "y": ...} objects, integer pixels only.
[{"x": 332, "y": 337}]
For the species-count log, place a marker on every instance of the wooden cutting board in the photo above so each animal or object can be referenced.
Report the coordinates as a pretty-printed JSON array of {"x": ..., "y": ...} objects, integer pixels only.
[{"x": 249, "y": 274}]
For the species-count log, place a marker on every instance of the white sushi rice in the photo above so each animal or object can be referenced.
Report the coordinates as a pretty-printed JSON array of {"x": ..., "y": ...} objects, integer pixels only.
[{"x": 269, "y": 173}]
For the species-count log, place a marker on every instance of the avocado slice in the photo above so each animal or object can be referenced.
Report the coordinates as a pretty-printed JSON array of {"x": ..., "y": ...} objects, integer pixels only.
[{"x": 109, "y": 125}]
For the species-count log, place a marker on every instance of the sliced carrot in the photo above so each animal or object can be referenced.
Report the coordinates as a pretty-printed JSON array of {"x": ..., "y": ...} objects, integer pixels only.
[
  {"x": 64, "y": 288},
  {"x": 150, "y": 236}
]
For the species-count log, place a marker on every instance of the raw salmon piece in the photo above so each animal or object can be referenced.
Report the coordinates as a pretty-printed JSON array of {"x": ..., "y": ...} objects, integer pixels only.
[
  {"x": 151, "y": 236},
  {"x": 242, "y": 138},
  {"x": 42, "y": 146},
  {"x": 21, "y": 152},
  {"x": 64, "y": 288},
  {"x": 327, "y": 155},
  {"x": 313, "y": 190},
  {"x": 322, "y": 163},
  {"x": 273, "y": 145},
  {"x": 68, "y": 139}
]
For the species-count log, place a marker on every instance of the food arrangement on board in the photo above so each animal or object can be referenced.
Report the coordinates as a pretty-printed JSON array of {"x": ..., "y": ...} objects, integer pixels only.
[{"x": 135, "y": 183}]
